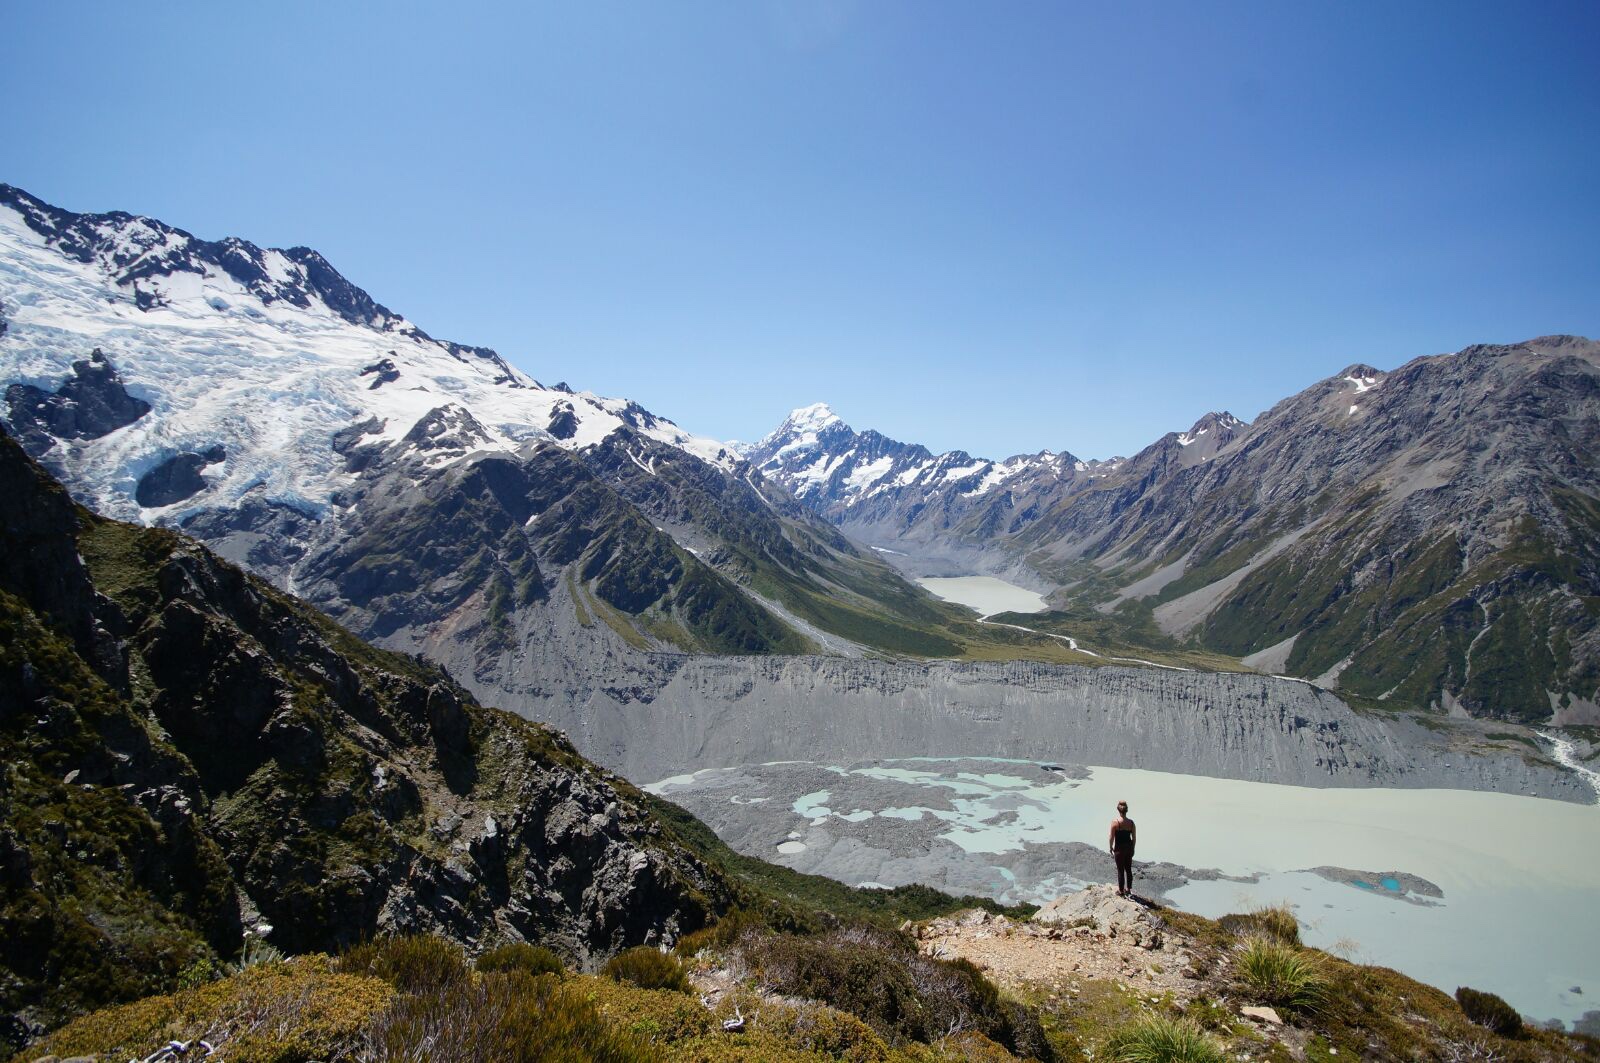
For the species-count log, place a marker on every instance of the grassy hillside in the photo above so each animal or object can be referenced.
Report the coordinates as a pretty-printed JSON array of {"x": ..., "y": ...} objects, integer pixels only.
[{"x": 744, "y": 991}]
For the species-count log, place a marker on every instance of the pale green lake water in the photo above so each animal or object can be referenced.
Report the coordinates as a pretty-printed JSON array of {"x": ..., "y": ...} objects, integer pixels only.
[
  {"x": 1520, "y": 875},
  {"x": 986, "y": 594}
]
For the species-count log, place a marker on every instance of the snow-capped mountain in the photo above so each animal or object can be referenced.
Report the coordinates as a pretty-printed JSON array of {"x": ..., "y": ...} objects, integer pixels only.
[
  {"x": 424, "y": 492},
  {"x": 824, "y": 462},
  {"x": 928, "y": 513},
  {"x": 1426, "y": 535},
  {"x": 262, "y": 352}
]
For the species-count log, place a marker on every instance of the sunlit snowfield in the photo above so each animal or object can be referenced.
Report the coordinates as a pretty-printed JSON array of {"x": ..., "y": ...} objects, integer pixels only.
[
  {"x": 986, "y": 594},
  {"x": 1520, "y": 876}
]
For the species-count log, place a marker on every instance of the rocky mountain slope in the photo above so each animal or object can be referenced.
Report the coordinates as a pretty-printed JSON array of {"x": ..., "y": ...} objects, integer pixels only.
[
  {"x": 416, "y": 489},
  {"x": 1425, "y": 536},
  {"x": 189, "y": 753}
]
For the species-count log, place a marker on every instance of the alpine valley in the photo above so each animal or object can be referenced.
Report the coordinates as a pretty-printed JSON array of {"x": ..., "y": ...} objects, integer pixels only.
[{"x": 271, "y": 549}]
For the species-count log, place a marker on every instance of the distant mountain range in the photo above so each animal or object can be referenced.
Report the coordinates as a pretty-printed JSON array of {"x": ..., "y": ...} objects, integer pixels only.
[
  {"x": 1426, "y": 536},
  {"x": 942, "y": 513}
]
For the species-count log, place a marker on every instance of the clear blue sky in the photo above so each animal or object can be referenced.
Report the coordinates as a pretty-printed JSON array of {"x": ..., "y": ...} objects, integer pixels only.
[{"x": 1000, "y": 227}]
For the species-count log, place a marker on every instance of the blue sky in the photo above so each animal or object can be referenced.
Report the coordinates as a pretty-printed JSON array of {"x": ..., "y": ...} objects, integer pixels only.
[{"x": 1000, "y": 227}]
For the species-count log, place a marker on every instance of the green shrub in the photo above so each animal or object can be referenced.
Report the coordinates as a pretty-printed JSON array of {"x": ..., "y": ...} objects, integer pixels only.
[
  {"x": 878, "y": 978},
  {"x": 647, "y": 968},
  {"x": 1158, "y": 1039},
  {"x": 521, "y": 956},
  {"x": 269, "y": 1013},
  {"x": 419, "y": 963},
  {"x": 1489, "y": 1010},
  {"x": 654, "y": 1016},
  {"x": 721, "y": 934},
  {"x": 1282, "y": 975},
  {"x": 512, "y": 1017},
  {"x": 198, "y": 973}
]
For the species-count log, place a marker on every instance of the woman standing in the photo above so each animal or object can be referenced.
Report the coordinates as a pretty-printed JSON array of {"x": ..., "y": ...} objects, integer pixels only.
[{"x": 1122, "y": 838}]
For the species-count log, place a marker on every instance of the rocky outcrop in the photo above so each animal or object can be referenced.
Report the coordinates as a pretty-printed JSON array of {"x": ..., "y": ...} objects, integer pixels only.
[
  {"x": 1101, "y": 908},
  {"x": 90, "y": 403},
  {"x": 177, "y": 478},
  {"x": 263, "y": 764}
]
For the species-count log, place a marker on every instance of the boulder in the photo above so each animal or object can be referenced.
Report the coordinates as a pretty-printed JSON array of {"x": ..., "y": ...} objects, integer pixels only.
[{"x": 1100, "y": 908}]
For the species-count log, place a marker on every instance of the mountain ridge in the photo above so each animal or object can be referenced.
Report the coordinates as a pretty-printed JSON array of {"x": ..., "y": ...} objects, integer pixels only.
[
  {"x": 1165, "y": 546},
  {"x": 191, "y": 753},
  {"x": 1420, "y": 536},
  {"x": 228, "y": 358}
]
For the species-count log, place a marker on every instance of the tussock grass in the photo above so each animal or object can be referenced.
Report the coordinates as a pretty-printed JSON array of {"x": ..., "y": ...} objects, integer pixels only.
[
  {"x": 1278, "y": 921},
  {"x": 1275, "y": 921},
  {"x": 1282, "y": 975},
  {"x": 1158, "y": 1039}
]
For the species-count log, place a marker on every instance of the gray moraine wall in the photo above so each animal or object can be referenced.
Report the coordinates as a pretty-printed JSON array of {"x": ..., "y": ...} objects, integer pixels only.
[{"x": 651, "y": 716}]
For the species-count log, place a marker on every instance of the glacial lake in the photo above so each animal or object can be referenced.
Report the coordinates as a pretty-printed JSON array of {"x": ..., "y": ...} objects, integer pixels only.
[
  {"x": 1520, "y": 876},
  {"x": 986, "y": 594}
]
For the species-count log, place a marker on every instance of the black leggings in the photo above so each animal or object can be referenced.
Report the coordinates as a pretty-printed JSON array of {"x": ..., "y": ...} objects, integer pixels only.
[{"x": 1124, "y": 859}]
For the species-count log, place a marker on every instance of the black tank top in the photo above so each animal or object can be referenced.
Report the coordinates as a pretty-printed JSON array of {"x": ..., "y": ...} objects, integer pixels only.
[{"x": 1122, "y": 838}]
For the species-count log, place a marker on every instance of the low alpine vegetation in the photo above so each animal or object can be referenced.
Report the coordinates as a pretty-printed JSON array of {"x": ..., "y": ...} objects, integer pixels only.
[
  {"x": 520, "y": 956},
  {"x": 905, "y": 996},
  {"x": 648, "y": 968},
  {"x": 416, "y": 963},
  {"x": 1489, "y": 1011},
  {"x": 301, "y": 1009},
  {"x": 509, "y": 1016},
  {"x": 1281, "y": 975},
  {"x": 1159, "y": 1039}
]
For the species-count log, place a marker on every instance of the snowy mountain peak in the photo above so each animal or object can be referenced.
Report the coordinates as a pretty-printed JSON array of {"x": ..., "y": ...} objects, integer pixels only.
[
  {"x": 813, "y": 418},
  {"x": 259, "y": 351},
  {"x": 1208, "y": 436},
  {"x": 1214, "y": 421},
  {"x": 833, "y": 469}
]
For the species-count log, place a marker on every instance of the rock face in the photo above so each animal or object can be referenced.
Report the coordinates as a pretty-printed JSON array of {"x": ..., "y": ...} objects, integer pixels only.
[
  {"x": 187, "y": 748},
  {"x": 176, "y": 479},
  {"x": 90, "y": 403},
  {"x": 1099, "y": 907}
]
